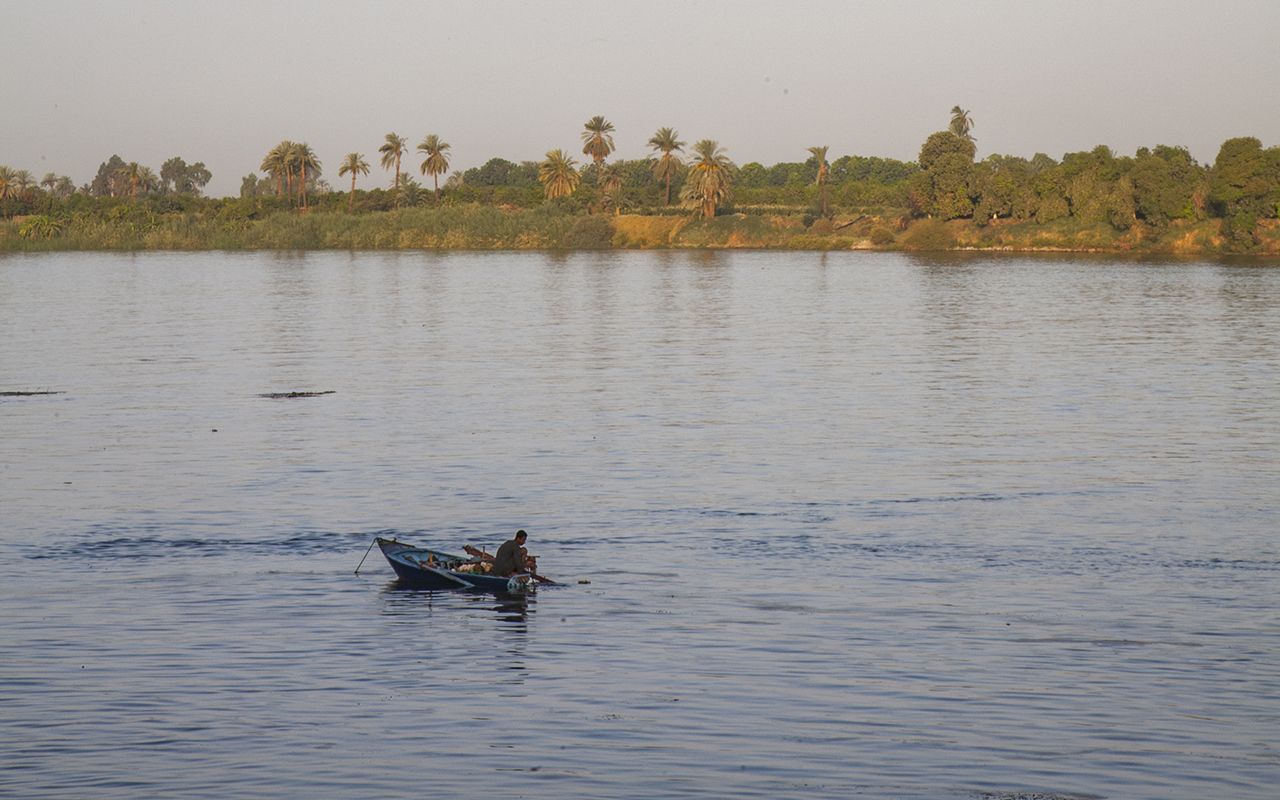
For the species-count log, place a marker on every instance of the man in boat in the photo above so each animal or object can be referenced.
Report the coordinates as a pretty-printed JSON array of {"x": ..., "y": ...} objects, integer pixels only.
[{"x": 512, "y": 556}]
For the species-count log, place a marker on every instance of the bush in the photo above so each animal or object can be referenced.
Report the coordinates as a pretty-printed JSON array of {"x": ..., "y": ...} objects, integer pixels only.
[
  {"x": 881, "y": 236},
  {"x": 929, "y": 235},
  {"x": 590, "y": 233},
  {"x": 1239, "y": 232}
]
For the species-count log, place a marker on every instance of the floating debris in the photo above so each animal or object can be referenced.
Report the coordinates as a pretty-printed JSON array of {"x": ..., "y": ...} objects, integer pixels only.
[
  {"x": 291, "y": 395},
  {"x": 27, "y": 394}
]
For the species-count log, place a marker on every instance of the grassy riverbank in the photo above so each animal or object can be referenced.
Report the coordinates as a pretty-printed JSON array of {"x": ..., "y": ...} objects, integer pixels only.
[{"x": 485, "y": 227}]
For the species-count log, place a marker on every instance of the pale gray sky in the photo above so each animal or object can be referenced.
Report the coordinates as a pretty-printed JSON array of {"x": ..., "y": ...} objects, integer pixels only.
[{"x": 222, "y": 82}]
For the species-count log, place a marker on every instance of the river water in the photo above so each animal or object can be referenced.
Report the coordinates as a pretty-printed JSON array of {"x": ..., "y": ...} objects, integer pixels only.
[{"x": 854, "y": 525}]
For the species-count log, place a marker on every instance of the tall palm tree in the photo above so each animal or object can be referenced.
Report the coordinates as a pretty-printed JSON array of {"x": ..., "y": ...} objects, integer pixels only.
[
  {"x": 290, "y": 157},
  {"x": 49, "y": 182},
  {"x": 392, "y": 149},
  {"x": 710, "y": 182},
  {"x": 65, "y": 187},
  {"x": 353, "y": 165},
  {"x": 668, "y": 165},
  {"x": 437, "y": 161},
  {"x": 303, "y": 158},
  {"x": 597, "y": 140},
  {"x": 292, "y": 163},
  {"x": 824, "y": 170},
  {"x": 961, "y": 123},
  {"x": 558, "y": 175}
]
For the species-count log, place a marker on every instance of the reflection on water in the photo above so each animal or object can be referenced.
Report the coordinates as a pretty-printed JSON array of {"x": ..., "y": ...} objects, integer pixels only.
[
  {"x": 507, "y": 607},
  {"x": 860, "y": 525}
]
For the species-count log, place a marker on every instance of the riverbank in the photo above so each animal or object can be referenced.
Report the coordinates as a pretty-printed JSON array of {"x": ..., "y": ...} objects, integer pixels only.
[{"x": 481, "y": 227}]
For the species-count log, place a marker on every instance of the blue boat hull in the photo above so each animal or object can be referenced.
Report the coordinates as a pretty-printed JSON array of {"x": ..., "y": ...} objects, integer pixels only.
[{"x": 424, "y": 568}]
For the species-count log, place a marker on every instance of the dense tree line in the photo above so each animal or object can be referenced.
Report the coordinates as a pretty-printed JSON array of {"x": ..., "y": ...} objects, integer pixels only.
[{"x": 1157, "y": 186}]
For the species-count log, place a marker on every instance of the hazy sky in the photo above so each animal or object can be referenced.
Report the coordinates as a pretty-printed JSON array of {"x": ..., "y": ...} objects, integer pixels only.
[{"x": 222, "y": 82}]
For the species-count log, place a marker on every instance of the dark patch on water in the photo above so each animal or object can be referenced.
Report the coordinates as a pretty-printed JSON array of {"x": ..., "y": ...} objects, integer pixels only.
[
  {"x": 292, "y": 395},
  {"x": 1227, "y": 564},
  {"x": 158, "y": 546},
  {"x": 1035, "y": 796},
  {"x": 815, "y": 511}
]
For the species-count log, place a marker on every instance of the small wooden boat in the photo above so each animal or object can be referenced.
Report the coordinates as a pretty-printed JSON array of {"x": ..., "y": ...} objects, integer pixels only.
[{"x": 426, "y": 568}]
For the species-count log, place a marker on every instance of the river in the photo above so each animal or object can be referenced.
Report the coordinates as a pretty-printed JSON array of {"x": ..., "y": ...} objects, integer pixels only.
[{"x": 835, "y": 525}]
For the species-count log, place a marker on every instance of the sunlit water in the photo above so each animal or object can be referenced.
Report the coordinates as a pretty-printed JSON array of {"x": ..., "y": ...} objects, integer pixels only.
[{"x": 854, "y": 525}]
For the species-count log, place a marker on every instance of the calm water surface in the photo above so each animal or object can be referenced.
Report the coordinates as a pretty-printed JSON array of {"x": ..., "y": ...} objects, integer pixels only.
[{"x": 855, "y": 525}]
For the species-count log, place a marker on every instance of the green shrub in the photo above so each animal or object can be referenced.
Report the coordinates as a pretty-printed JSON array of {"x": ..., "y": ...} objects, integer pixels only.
[
  {"x": 929, "y": 235},
  {"x": 590, "y": 233},
  {"x": 881, "y": 236}
]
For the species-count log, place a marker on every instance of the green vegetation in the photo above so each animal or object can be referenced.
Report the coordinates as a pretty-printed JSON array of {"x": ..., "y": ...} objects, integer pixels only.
[{"x": 1158, "y": 200}]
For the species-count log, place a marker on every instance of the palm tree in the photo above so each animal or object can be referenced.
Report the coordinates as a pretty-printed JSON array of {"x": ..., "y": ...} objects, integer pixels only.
[
  {"x": 25, "y": 182},
  {"x": 304, "y": 158},
  {"x": 611, "y": 180},
  {"x": 961, "y": 123},
  {"x": 148, "y": 181},
  {"x": 49, "y": 182},
  {"x": 41, "y": 226},
  {"x": 437, "y": 161},
  {"x": 290, "y": 157},
  {"x": 668, "y": 165},
  {"x": 710, "y": 182},
  {"x": 65, "y": 187},
  {"x": 597, "y": 140},
  {"x": 355, "y": 165},
  {"x": 8, "y": 188},
  {"x": 275, "y": 163},
  {"x": 824, "y": 169},
  {"x": 410, "y": 190},
  {"x": 391, "y": 150},
  {"x": 558, "y": 175},
  {"x": 133, "y": 174}
]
